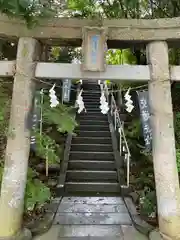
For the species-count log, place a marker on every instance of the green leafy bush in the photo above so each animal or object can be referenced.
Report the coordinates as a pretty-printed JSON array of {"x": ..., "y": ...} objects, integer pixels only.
[
  {"x": 30, "y": 11},
  {"x": 134, "y": 129},
  {"x": 36, "y": 192},
  {"x": 46, "y": 147},
  {"x": 62, "y": 116},
  {"x": 177, "y": 137},
  {"x": 178, "y": 159},
  {"x": 177, "y": 128},
  {"x": 5, "y": 101},
  {"x": 148, "y": 202}
]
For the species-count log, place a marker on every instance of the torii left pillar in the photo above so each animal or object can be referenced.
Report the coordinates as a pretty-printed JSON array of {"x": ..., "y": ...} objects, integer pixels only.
[{"x": 18, "y": 142}]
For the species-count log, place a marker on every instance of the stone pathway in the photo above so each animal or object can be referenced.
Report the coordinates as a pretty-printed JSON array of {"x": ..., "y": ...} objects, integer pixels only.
[{"x": 92, "y": 218}]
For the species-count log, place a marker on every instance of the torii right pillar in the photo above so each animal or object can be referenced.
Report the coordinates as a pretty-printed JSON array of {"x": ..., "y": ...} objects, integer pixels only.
[{"x": 164, "y": 152}]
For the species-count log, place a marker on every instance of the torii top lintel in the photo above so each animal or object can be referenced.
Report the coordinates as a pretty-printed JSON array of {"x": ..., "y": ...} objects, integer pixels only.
[{"x": 120, "y": 32}]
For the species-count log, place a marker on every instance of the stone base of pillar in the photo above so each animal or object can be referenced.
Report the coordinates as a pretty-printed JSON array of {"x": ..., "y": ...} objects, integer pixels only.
[
  {"x": 156, "y": 235},
  {"x": 25, "y": 234},
  {"x": 164, "y": 237}
]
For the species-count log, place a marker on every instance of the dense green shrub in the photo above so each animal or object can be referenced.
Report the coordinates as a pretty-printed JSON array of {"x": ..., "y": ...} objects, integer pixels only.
[
  {"x": 36, "y": 192},
  {"x": 148, "y": 202}
]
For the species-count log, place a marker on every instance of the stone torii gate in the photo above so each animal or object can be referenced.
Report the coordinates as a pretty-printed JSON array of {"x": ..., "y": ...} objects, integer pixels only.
[{"x": 155, "y": 34}]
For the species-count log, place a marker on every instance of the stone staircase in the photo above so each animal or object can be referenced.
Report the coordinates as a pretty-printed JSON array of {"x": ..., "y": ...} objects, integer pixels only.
[
  {"x": 89, "y": 206},
  {"x": 91, "y": 166},
  {"x": 91, "y": 218}
]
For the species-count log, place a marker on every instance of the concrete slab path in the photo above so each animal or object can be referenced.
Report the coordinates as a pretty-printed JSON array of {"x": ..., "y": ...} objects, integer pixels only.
[{"x": 92, "y": 218}]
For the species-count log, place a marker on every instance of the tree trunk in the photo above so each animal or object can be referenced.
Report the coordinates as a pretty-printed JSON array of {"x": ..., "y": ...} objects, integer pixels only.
[
  {"x": 164, "y": 152},
  {"x": 18, "y": 143}
]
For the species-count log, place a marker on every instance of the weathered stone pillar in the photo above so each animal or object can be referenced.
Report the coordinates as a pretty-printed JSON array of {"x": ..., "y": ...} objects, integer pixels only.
[
  {"x": 18, "y": 142},
  {"x": 164, "y": 153}
]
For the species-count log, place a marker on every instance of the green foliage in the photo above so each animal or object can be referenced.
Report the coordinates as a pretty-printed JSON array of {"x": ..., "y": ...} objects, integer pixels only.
[
  {"x": 145, "y": 178},
  {"x": 119, "y": 57},
  {"x": 5, "y": 101},
  {"x": 36, "y": 192},
  {"x": 177, "y": 137},
  {"x": 65, "y": 54},
  {"x": 30, "y": 11},
  {"x": 83, "y": 8},
  {"x": 134, "y": 129},
  {"x": 177, "y": 128},
  {"x": 61, "y": 116},
  {"x": 46, "y": 147},
  {"x": 148, "y": 202},
  {"x": 116, "y": 57},
  {"x": 1, "y": 171},
  {"x": 178, "y": 159},
  {"x": 5, "y": 105}
]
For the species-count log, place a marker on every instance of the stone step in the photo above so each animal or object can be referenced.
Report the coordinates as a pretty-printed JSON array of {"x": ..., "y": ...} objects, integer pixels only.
[
  {"x": 95, "y": 187},
  {"x": 94, "y": 134},
  {"x": 92, "y": 147},
  {"x": 83, "y": 127},
  {"x": 93, "y": 92},
  {"x": 92, "y": 218},
  {"x": 93, "y": 180},
  {"x": 88, "y": 175},
  {"x": 92, "y": 105},
  {"x": 91, "y": 165},
  {"x": 89, "y": 97},
  {"x": 91, "y": 140},
  {"x": 92, "y": 116},
  {"x": 91, "y": 87},
  {"x": 90, "y": 231},
  {"x": 90, "y": 113},
  {"x": 93, "y": 200},
  {"x": 91, "y": 122},
  {"x": 93, "y": 110},
  {"x": 85, "y": 155},
  {"x": 91, "y": 208},
  {"x": 92, "y": 238}
]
